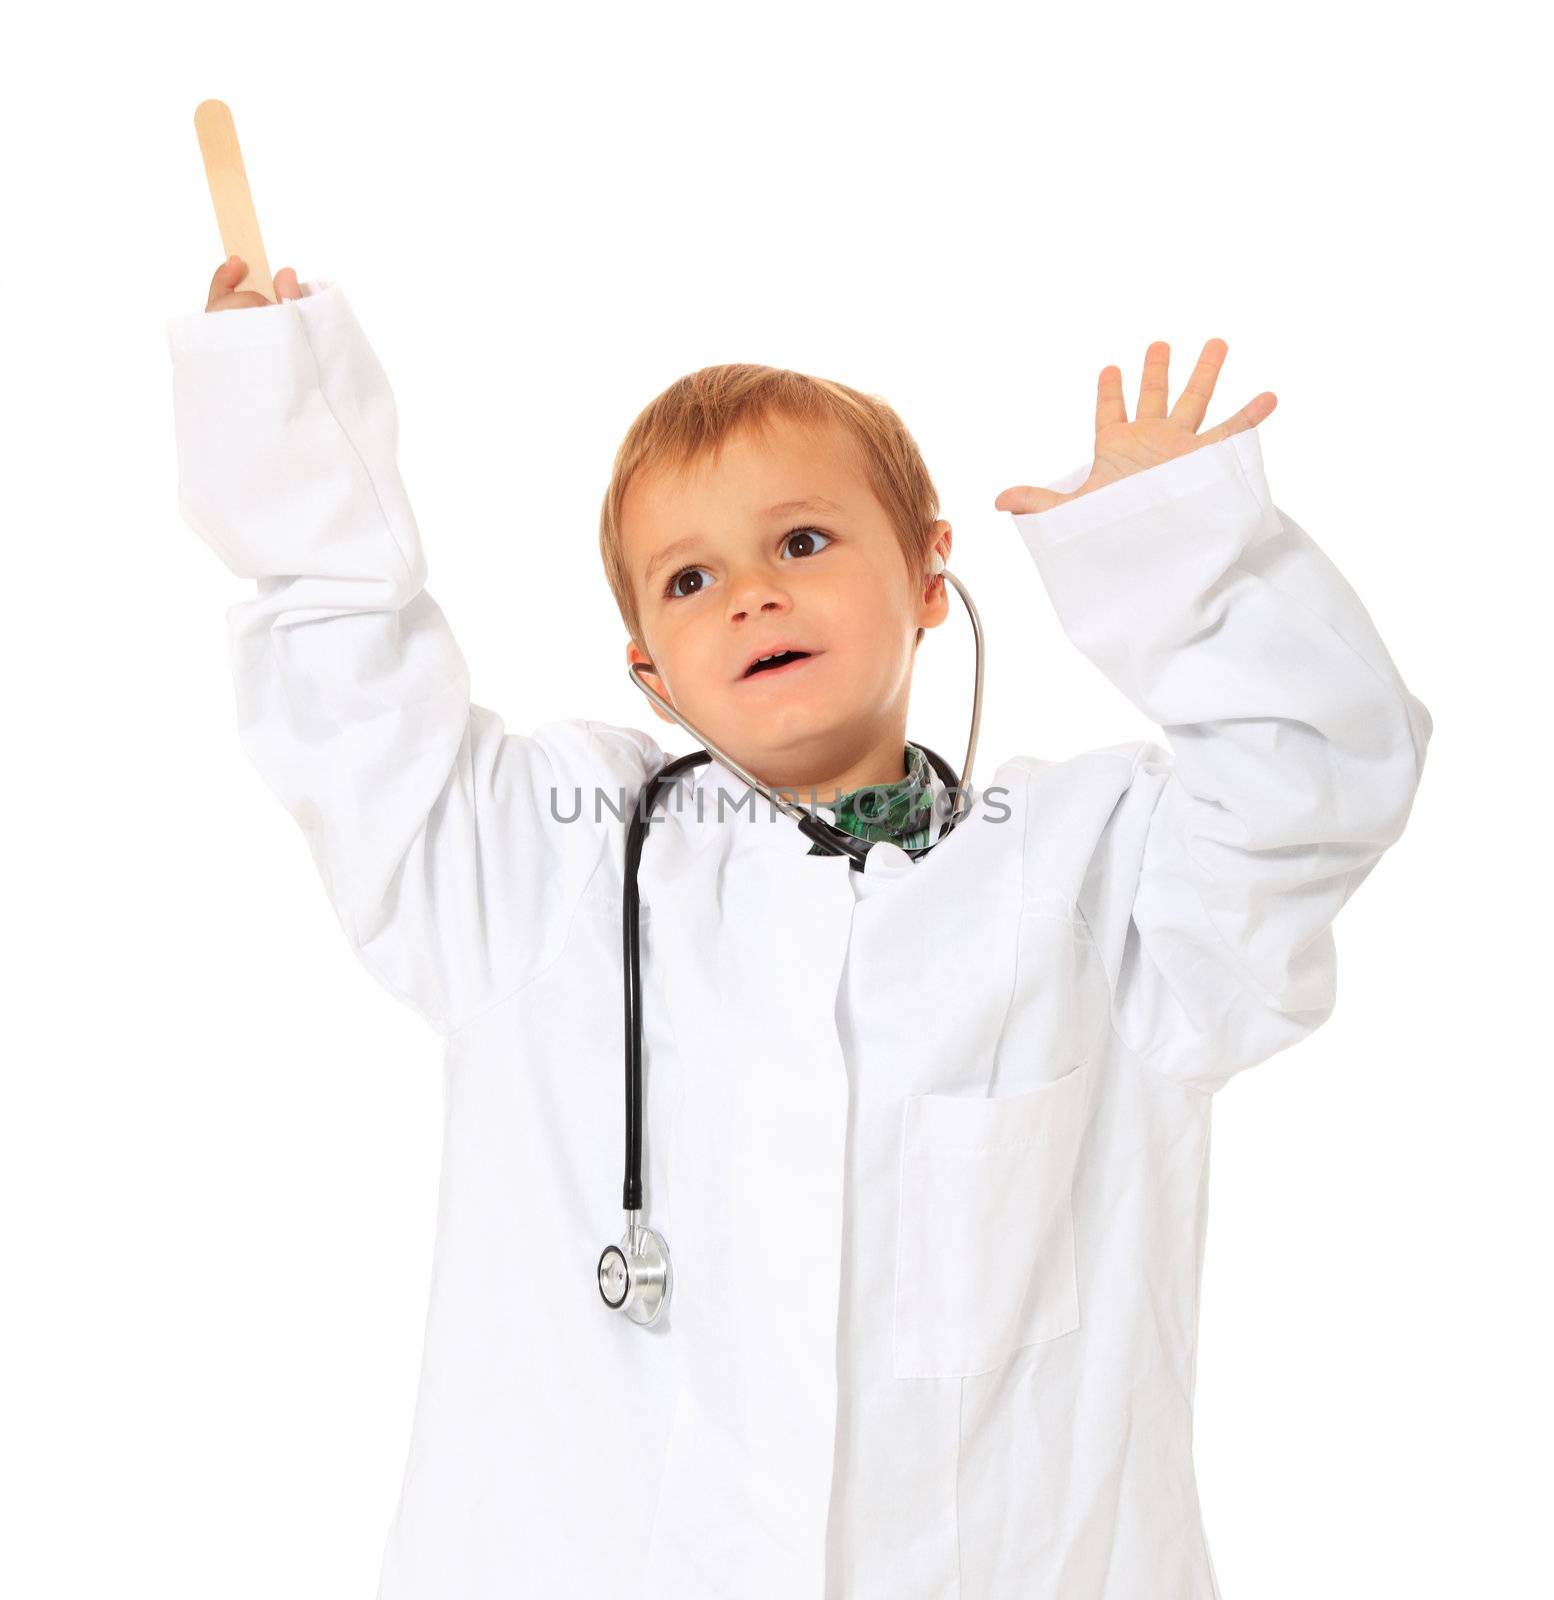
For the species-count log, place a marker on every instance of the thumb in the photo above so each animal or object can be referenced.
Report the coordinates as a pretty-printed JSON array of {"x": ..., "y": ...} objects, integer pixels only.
[
  {"x": 227, "y": 276},
  {"x": 1023, "y": 498},
  {"x": 286, "y": 287}
]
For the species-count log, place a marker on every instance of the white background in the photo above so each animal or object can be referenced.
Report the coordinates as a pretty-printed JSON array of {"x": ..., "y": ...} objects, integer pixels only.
[{"x": 219, "y": 1139}]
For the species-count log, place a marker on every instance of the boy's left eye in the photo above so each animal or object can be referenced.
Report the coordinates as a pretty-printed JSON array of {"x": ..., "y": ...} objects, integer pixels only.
[{"x": 807, "y": 533}]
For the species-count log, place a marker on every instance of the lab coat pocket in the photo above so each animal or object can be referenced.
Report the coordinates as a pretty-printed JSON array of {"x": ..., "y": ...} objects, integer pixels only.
[{"x": 985, "y": 1243}]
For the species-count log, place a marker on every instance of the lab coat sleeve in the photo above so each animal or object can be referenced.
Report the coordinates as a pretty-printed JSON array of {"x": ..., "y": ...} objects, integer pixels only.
[
  {"x": 1295, "y": 753},
  {"x": 438, "y": 835}
]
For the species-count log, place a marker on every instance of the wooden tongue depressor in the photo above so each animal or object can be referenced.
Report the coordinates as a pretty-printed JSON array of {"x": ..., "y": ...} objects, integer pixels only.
[{"x": 229, "y": 192}]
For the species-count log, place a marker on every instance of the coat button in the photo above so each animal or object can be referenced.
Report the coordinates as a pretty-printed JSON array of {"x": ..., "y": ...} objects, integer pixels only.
[{"x": 885, "y": 857}]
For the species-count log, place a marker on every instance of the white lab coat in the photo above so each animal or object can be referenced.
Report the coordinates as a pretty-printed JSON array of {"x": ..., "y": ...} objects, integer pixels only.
[{"x": 928, "y": 1144}]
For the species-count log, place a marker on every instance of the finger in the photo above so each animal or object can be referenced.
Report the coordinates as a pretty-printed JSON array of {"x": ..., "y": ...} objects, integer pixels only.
[
  {"x": 227, "y": 277},
  {"x": 286, "y": 286},
  {"x": 1193, "y": 402},
  {"x": 1154, "y": 386},
  {"x": 1248, "y": 416},
  {"x": 1109, "y": 408},
  {"x": 235, "y": 302},
  {"x": 1023, "y": 498}
]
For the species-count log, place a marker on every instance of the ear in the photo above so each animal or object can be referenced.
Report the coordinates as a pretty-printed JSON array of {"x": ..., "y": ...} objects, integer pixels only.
[
  {"x": 634, "y": 654},
  {"x": 934, "y": 603}
]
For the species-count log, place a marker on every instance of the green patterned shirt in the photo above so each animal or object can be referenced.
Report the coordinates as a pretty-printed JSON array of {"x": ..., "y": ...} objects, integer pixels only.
[{"x": 900, "y": 812}]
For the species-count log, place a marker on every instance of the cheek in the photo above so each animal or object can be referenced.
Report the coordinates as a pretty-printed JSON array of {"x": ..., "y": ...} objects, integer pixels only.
[
  {"x": 691, "y": 657},
  {"x": 675, "y": 634},
  {"x": 878, "y": 614}
]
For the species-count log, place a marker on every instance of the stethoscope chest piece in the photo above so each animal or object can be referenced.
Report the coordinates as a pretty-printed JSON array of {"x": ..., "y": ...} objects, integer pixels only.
[{"x": 634, "y": 1275}]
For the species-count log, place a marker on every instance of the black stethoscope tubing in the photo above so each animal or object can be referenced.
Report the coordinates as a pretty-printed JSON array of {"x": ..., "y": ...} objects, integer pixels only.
[{"x": 834, "y": 840}]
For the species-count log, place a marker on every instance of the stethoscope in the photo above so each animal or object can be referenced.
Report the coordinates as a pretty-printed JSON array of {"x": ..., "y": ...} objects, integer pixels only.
[{"x": 635, "y": 1275}]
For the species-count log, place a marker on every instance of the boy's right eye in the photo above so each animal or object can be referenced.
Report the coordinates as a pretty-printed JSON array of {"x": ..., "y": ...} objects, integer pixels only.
[{"x": 675, "y": 592}]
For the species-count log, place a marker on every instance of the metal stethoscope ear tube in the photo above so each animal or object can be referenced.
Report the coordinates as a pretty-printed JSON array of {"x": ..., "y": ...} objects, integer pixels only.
[{"x": 635, "y": 1276}]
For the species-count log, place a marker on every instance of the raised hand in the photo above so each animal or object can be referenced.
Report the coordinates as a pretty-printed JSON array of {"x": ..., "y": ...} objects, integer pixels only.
[
  {"x": 1154, "y": 435},
  {"x": 226, "y": 296}
]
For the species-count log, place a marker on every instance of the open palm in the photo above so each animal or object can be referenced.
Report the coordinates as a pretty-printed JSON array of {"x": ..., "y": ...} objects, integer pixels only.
[{"x": 1155, "y": 434}]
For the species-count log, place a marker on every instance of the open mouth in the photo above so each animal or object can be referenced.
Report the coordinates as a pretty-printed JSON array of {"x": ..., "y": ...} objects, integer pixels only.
[{"x": 783, "y": 661}]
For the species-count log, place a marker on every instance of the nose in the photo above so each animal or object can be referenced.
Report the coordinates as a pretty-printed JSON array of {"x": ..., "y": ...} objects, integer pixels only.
[{"x": 756, "y": 592}]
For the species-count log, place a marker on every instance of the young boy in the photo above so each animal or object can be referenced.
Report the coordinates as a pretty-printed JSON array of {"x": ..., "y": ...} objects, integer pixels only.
[{"x": 929, "y": 1141}]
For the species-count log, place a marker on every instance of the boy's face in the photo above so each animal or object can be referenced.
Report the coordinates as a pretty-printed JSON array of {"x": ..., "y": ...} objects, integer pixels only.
[{"x": 726, "y": 567}]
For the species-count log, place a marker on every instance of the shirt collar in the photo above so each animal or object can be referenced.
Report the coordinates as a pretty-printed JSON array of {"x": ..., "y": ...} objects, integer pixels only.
[
  {"x": 900, "y": 812},
  {"x": 757, "y": 820}
]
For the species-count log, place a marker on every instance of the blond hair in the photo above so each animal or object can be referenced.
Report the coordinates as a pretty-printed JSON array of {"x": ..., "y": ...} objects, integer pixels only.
[{"x": 698, "y": 412}]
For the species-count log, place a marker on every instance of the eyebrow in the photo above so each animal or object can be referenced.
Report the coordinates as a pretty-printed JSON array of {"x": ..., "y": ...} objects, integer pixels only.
[{"x": 784, "y": 508}]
